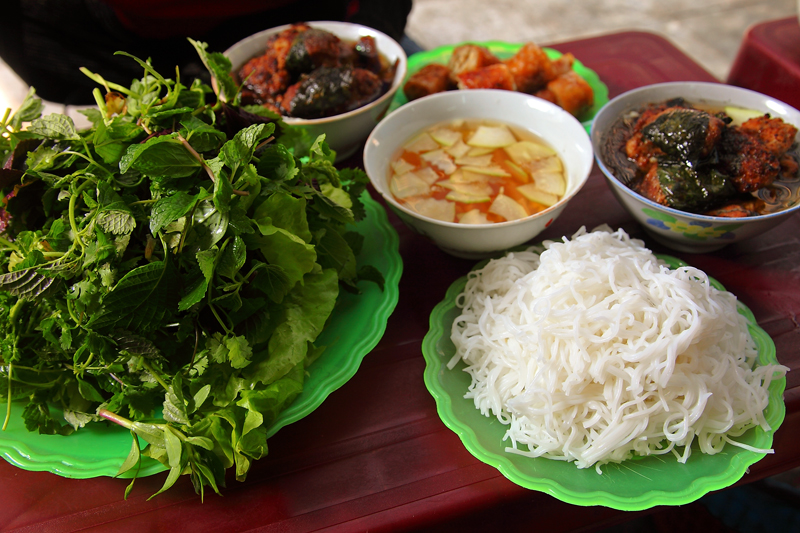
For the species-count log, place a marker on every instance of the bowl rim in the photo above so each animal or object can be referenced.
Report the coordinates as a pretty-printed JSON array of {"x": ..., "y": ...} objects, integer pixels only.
[
  {"x": 473, "y": 93},
  {"x": 329, "y": 25},
  {"x": 613, "y": 180}
]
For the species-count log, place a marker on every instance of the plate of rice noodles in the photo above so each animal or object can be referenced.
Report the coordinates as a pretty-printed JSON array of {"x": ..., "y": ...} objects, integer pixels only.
[{"x": 599, "y": 373}]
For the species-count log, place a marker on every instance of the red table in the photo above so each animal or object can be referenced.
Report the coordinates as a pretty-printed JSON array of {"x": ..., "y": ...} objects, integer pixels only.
[
  {"x": 375, "y": 455},
  {"x": 768, "y": 60}
]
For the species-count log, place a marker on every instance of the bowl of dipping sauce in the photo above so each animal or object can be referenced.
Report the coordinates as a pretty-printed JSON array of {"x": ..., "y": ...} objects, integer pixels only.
[
  {"x": 700, "y": 165},
  {"x": 478, "y": 171},
  {"x": 327, "y": 77}
]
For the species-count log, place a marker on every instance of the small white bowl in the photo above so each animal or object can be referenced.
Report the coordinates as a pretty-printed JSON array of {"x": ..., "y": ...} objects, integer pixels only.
[
  {"x": 346, "y": 132},
  {"x": 552, "y": 124},
  {"x": 679, "y": 230}
]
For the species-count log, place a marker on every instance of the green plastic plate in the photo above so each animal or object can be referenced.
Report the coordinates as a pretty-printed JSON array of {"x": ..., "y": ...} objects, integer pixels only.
[
  {"x": 356, "y": 326},
  {"x": 505, "y": 50},
  {"x": 632, "y": 485}
]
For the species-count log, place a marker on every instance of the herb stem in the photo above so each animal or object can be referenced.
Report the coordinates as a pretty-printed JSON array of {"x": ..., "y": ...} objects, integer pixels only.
[
  {"x": 205, "y": 165},
  {"x": 40, "y": 370},
  {"x": 6, "y": 116},
  {"x": 198, "y": 157},
  {"x": 73, "y": 224},
  {"x": 201, "y": 110},
  {"x": 144, "y": 126},
  {"x": 87, "y": 158},
  {"x": 72, "y": 314},
  {"x": 9, "y": 244},
  {"x": 115, "y": 378},
  {"x": 265, "y": 142},
  {"x": 114, "y": 417},
  {"x": 8, "y": 401},
  {"x": 219, "y": 318},
  {"x": 97, "y": 78},
  {"x": 149, "y": 368}
]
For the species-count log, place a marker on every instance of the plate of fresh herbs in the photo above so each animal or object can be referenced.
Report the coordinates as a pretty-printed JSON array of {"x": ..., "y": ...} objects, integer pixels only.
[{"x": 195, "y": 271}]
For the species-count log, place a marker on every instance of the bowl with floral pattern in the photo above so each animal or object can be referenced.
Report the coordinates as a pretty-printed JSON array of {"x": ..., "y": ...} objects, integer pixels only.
[{"x": 681, "y": 230}]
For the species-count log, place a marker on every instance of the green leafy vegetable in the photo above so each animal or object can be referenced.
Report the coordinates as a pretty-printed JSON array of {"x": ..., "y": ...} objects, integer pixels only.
[{"x": 170, "y": 268}]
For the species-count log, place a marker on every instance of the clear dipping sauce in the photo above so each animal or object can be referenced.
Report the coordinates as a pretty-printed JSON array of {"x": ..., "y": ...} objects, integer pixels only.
[{"x": 476, "y": 172}]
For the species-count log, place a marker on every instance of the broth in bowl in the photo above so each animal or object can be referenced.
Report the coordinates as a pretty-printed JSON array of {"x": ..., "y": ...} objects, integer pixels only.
[{"x": 476, "y": 172}]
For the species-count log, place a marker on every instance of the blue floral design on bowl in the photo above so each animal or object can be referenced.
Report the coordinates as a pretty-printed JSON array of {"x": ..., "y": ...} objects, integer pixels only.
[{"x": 699, "y": 230}]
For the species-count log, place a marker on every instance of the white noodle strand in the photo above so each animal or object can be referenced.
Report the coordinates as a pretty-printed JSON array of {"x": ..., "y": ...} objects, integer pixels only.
[{"x": 592, "y": 350}]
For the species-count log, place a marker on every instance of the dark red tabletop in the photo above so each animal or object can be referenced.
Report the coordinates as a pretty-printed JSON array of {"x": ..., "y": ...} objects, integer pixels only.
[{"x": 375, "y": 456}]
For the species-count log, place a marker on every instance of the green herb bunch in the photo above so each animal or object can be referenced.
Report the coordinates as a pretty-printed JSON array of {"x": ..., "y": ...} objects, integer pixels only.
[{"x": 177, "y": 258}]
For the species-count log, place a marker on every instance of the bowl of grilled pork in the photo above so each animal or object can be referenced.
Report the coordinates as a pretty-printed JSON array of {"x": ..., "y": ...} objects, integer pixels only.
[
  {"x": 700, "y": 165},
  {"x": 331, "y": 78}
]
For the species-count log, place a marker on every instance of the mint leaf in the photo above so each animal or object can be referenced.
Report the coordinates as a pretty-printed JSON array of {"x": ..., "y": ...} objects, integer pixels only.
[
  {"x": 203, "y": 137},
  {"x": 169, "y": 209},
  {"x": 239, "y": 151},
  {"x": 54, "y": 126},
  {"x": 277, "y": 163},
  {"x": 220, "y": 68},
  {"x": 223, "y": 190},
  {"x": 116, "y": 221},
  {"x": 112, "y": 140},
  {"x": 30, "y": 109},
  {"x": 163, "y": 156},
  {"x": 233, "y": 258},
  {"x": 174, "y": 407},
  {"x": 198, "y": 287}
]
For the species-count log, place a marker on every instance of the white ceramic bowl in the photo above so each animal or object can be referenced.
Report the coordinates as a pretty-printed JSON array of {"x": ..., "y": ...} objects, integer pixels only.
[
  {"x": 555, "y": 126},
  {"x": 345, "y": 133},
  {"x": 679, "y": 230}
]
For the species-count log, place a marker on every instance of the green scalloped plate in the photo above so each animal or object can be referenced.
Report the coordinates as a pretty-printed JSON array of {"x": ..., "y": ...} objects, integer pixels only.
[
  {"x": 356, "y": 325},
  {"x": 632, "y": 485},
  {"x": 505, "y": 50}
]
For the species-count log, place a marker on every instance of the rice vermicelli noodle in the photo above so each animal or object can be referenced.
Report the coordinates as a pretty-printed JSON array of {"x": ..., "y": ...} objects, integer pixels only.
[{"x": 592, "y": 350}]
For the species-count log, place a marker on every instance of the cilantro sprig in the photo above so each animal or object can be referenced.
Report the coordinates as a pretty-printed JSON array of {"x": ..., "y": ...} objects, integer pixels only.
[{"x": 169, "y": 268}]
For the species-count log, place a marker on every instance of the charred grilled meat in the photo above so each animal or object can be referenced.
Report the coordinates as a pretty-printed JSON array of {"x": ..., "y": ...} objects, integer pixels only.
[
  {"x": 264, "y": 77},
  {"x": 696, "y": 161},
  {"x": 752, "y": 153},
  {"x": 311, "y": 49},
  {"x": 310, "y": 73},
  {"x": 328, "y": 91}
]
